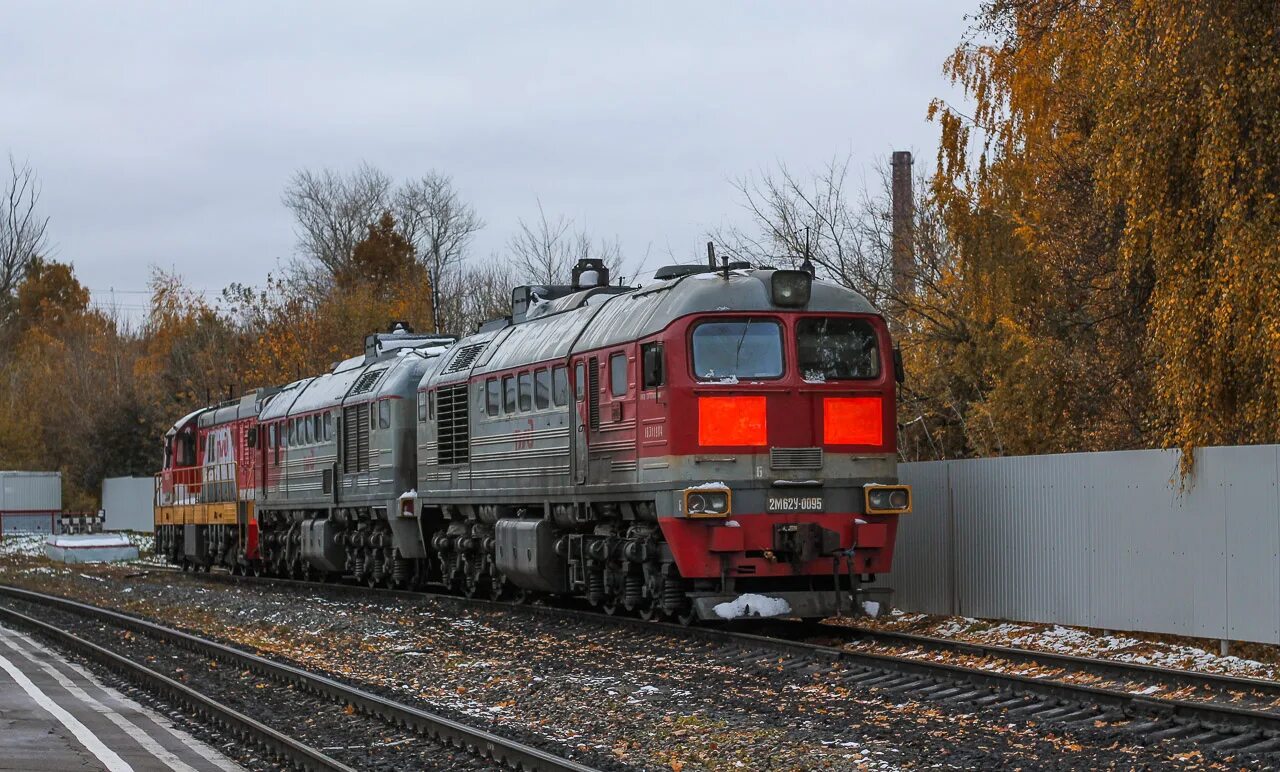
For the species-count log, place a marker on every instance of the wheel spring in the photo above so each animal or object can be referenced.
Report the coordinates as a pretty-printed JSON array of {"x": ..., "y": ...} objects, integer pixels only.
[
  {"x": 595, "y": 587},
  {"x": 377, "y": 566},
  {"x": 672, "y": 595},
  {"x": 632, "y": 590},
  {"x": 400, "y": 571},
  {"x": 357, "y": 564}
]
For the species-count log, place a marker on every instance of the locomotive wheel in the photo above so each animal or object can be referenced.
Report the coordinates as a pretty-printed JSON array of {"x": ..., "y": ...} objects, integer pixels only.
[
  {"x": 521, "y": 596},
  {"x": 611, "y": 605},
  {"x": 685, "y": 616},
  {"x": 497, "y": 589},
  {"x": 649, "y": 611},
  {"x": 186, "y": 566}
]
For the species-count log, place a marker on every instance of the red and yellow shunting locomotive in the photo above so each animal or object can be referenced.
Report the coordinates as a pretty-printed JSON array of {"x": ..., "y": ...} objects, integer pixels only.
[{"x": 719, "y": 443}]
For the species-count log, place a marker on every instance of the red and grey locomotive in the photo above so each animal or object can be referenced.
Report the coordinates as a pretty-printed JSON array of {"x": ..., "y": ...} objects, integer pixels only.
[{"x": 718, "y": 443}]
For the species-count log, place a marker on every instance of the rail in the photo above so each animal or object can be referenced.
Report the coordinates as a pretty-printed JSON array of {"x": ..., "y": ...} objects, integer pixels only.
[
  {"x": 282, "y": 747},
  {"x": 500, "y": 749},
  {"x": 1035, "y": 697}
]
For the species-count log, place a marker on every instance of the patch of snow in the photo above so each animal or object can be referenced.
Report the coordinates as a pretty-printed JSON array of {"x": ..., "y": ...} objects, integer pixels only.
[
  {"x": 814, "y": 376},
  {"x": 752, "y": 605},
  {"x": 89, "y": 540},
  {"x": 728, "y": 380},
  {"x": 731, "y": 524},
  {"x": 22, "y": 544},
  {"x": 409, "y": 495},
  {"x": 871, "y": 607},
  {"x": 707, "y": 486},
  {"x": 859, "y": 521}
]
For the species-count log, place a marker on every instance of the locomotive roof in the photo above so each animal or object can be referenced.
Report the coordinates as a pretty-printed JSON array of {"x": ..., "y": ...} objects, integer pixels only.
[
  {"x": 366, "y": 377},
  {"x": 590, "y": 319}
]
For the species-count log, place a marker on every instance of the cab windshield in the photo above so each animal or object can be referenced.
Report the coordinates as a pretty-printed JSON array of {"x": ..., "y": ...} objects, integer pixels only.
[
  {"x": 836, "y": 348},
  {"x": 737, "y": 348}
]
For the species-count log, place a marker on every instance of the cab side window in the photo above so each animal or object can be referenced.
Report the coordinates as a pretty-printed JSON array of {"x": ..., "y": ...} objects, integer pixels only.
[
  {"x": 491, "y": 396},
  {"x": 526, "y": 392},
  {"x": 542, "y": 389},
  {"x": 508, "y": 394},
  {"x": 560, "y": 385},
  {"x": 653, "y": 366},
  {"x": 618, "y": 375}
]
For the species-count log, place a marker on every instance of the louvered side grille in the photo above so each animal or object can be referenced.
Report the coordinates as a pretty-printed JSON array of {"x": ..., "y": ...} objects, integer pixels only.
[
  {"x": 452, "y": 425},
  {"x": 795, "y": 458},
  {"x": 355, "y": 438},
  {"x": 593, "y": 393},
  {"x": 466, "y": 356}
]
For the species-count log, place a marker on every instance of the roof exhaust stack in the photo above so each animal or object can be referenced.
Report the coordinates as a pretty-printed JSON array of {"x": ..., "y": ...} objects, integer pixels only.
[{"x": 590, "y": 272}]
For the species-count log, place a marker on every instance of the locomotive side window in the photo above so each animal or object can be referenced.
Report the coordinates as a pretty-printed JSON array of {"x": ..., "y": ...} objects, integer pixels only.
[
  {"x": 422, "y": 407},
  {"x": 618, "y": 375},
  {"x": 743, "y": 348},
  {"x": 542, "y": 388},
  {"x": 560, "y": 385},
  {"x": 526, "y": 392},
  {"x": 317, "y": 427},
  {"x": 384, "y": 414},
  {"x": 491, "y": 396},
  {"x": 306, "y": 431},
  {"x": 328, "y": 427},
  {"x": 835, "y": 348},
  {"x": 580, "y": 381},
  {"x": 508, "y": 394},
  {"x": 431, "y": 405},
  {"x": 653, "y": 366}
]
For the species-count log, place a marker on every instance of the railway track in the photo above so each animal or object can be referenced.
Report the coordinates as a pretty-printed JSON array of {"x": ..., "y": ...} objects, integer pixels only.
[
  {"x": 286, "y": 749},
  {"x": 1228, "y": 714}
]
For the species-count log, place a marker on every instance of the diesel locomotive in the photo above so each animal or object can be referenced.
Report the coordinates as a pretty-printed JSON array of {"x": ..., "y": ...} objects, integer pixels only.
[{"x": 718, "y": 443}]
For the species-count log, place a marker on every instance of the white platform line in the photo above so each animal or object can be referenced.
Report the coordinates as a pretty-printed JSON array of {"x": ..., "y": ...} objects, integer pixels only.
[
  {"x": 204, "y": 750},
  {"x": 87, "y": 738},
  {"x": 128, "y": 727}
]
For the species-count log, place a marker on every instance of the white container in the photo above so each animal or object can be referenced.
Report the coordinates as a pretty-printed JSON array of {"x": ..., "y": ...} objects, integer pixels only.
[
  {"x": 30, "y": 492},
  {"x": 30, "y": 501},
  {"x": 127, "y": 504}
]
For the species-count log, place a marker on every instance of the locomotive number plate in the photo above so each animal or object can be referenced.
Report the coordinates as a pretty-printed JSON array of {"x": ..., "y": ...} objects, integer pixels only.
[{"x": 794, "y": 504}]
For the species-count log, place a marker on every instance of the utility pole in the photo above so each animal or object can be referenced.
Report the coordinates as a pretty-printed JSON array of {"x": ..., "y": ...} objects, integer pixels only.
[{"x": 904, "y": 251}]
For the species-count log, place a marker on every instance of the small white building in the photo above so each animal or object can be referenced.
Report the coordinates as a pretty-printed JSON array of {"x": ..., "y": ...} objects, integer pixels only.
[
  {"x": 127, "y": 504},
  {"x": 30, "y": 502}
]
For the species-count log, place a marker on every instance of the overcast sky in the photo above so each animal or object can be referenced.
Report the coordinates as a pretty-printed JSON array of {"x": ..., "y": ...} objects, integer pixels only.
[{"x": 164, "y": 133}]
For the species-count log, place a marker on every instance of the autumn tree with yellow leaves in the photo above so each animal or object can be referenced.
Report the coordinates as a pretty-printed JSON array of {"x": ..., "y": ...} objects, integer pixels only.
[{"x": 1112, "y": 199}]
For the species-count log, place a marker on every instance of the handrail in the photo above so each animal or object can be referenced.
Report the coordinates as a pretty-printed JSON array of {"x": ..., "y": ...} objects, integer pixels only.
[{"x": 205, "y": 484}]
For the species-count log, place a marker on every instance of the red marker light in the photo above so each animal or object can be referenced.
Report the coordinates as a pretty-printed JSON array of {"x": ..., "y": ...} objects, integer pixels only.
[
  {"x": 852, "y": 421},
  {"x": 732, "y": 421}
]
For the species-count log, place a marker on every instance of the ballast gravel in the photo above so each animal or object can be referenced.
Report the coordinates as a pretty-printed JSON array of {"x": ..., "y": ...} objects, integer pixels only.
[{"x": 610, "y": 696}]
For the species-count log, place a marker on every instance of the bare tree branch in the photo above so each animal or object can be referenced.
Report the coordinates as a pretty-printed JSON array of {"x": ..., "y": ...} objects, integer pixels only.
[
  {"x": 331, "y": 214},
  {"x": 22, "y": 231},
  {"x": 546, "y": 251},
  {"x": 439, "y": 225}
]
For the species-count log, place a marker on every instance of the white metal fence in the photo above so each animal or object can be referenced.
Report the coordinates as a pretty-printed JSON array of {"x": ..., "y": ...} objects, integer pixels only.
[{"x": 1111, "y": 540}]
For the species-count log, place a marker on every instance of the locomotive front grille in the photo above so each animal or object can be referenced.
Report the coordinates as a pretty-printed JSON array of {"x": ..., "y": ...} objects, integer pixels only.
[{"x": 795, "y": 458}]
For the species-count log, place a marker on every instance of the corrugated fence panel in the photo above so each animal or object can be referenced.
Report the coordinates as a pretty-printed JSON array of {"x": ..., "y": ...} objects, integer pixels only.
[
  {"x": 1112, "y": 540},
  {"x": 923, "y": 559}
]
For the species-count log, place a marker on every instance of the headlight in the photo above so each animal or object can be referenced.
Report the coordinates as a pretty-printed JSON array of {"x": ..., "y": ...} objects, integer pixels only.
[
  {"x": 706, "y": 502},
  {"x": 790, "y": 288},
  {"x": 888, "y": 499}
]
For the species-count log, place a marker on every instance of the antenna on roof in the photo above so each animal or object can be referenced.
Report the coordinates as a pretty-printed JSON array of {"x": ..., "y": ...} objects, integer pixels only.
[
  {"x": 807, "y": 265},
  {"x": 711, "y": 255}
]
